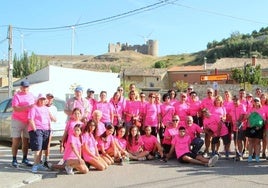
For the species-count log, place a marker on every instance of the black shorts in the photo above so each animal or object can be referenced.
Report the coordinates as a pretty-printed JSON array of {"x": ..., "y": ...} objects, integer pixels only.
[
  {"x": 240, "y": 135},
  {"x": 226, "y": 139},
  {"x": 189, "y": 154},
  {"x": 252, "y": 132},
  {"x": 39, "y": 139}
]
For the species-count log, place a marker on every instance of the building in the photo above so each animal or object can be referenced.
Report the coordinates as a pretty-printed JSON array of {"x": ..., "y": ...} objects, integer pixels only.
[{"x": 62, "y": 82}]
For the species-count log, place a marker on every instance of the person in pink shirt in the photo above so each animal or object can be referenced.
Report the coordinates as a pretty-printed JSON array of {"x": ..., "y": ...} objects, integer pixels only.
[
  {"x": 255, "y": 134},
  {"x": 249, "y": 102},
  {"x": 208, "y": 102},
  {"x": 172, "y": 94},
  {"x": 73, "y": 152},
  {"x": 69, "y": 127},
  {"x": 170, "y": 132},
  {"x": 106, "y": 108},
  {"x": 132, "y": 110},
  {"x": 242, "y": 97},
  {"x": 181, "y": 146},
  {"x": 264, "y": 103},
  {"x": 22, "y": 102},
  {"x": 91, "y": 103},
  {"x": 227, "y": 103},
  {"x": 215, "y": 127},
  {"x": 237, "y": 113},
  {"x": 77, "y": 102},
  {"x": 194, "y": 131},
  {"x": 96, "y": 117},
  {"x": 90, "y": 151},
  {"x": 195, "y": 108},
  {"x": 182, "y": 107},
  {"x": 39, "y": 130},
  {"x": 135, "y": 145},
  {"x": 151, "y": 114},
  {"x": 121, "y": 142},
  {"x": 142, "y": 104},
  {"x": 107, "y": 147},
  {"x": 151, "y": 144},
  {"x": 118, "y": 109},
  {"x": 166, "y": 113}
]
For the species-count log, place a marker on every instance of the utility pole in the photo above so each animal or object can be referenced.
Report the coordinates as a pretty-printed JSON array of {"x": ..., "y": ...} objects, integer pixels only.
[{"x": 10, "y": 63}]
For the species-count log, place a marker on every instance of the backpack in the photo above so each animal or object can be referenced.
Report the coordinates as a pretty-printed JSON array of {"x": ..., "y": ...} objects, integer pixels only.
[{"x": 255, "y": 120}]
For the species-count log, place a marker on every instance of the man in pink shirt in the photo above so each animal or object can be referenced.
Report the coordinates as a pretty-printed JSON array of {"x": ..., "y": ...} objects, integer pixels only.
[
  {"x": 214, "y": 126},
  {"x": 182, "y": 107},
  {"x": 181, "y": 145},
  {"x": 22, "y": 102}
]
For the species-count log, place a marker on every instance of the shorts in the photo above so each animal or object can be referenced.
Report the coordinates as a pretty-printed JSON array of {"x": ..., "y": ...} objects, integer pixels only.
[
  {"x": 241, "y": 135},
  {"x": 19, "y": 129},
  {"x": 189, "y": 154},
  {"x": 226, "y": 139},
  {"x": 252, "y": 132},
  {"x": 39, "y": 139}
]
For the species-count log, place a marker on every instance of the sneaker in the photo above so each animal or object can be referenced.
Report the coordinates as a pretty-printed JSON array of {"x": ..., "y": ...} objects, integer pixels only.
[
  {"x": 15, "y": 163},
  {"x": 212, "y": 161},
  {"x": 263, "y": 155},
  {"x": 26, "y": 162},
  {"x": 69, "y": 170},
  {"x": 34, "y": 168},
  {"x": 205, "y": 154},
  {"x": 249, "y": 158},
  {"x": 41, "y": 167},
  {"x": 163, "y": 159},
  {"x": 120, "y": 162},
  {"x": 257, "y": 158},
  {"x": 46, "y": 164}
]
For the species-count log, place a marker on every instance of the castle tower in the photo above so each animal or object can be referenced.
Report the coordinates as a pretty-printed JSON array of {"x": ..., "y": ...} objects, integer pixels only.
[{"x": 152, "y": 47}]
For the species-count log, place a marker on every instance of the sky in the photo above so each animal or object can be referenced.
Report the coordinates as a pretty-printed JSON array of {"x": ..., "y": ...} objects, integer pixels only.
[{"x": 56, "y": 27}]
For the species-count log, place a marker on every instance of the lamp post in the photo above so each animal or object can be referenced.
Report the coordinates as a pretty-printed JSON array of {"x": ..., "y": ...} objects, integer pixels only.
[{"x": 244, "y": 78}]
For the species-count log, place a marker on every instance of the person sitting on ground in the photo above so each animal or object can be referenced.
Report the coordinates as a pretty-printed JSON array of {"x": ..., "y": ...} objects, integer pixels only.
[
  {"x": 151, "y": 144},
  {"x": 181, "y": 144}
]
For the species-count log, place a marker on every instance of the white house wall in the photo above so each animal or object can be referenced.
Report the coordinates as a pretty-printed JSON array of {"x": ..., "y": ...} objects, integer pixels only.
[{"x": 62, "y": 79}]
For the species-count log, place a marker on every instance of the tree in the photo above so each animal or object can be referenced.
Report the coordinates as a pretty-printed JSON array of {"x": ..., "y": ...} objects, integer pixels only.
[
  {"x": 27, "y": 65},
  {"x": 160, "y": 64}
]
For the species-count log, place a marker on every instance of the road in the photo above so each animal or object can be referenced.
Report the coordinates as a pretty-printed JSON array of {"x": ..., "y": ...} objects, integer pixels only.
[{"x": 227, "y": 173}]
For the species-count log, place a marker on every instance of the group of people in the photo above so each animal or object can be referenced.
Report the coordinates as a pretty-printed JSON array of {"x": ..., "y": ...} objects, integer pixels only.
[{"x": 102, "y": 132}]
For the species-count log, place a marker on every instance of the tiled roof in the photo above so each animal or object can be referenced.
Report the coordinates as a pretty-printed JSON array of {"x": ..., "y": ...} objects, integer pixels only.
[{"x": 186, "y": 68}]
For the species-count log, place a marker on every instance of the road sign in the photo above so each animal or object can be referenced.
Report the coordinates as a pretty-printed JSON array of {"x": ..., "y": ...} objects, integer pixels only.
[{"x": 214, "y": 77}]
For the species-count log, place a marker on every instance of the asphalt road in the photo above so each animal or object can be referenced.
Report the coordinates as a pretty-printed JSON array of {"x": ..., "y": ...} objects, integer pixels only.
[{"x": 227, "y": 173}]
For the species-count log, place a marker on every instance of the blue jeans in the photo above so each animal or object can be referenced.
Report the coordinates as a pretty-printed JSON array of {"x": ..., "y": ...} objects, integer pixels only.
[{"x": 197, "y": 144}]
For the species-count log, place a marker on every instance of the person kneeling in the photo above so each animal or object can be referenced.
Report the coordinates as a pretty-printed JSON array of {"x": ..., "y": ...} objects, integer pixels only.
[{"x": 181, "y": 144}]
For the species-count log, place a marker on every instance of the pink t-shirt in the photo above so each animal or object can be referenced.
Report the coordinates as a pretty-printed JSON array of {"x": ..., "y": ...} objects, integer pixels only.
[
  {"x": 169, "y": 134},
  {"x": 142, "y": 107},
  {"x": 122, "y": 142},
  {"x": 136, "y": 145},
  {"x": 181, "y": 144},
  {"x": 194, "y": 107},
  {"x": 166, "y": 112},
  {"x": 212, "y": 123},
  {"x": 107, "y": 109},
  {"x": 192, "y": 130},
  {"x": 118, "y": 109},
  {"x": 182, "y": 110},
  {"x": 132, "y": 107},
  {"x": 106, "y": 142},
  {"x": 218, "y": 111},
  {"x": 69, "y": 128},
  {"x": 236, "y": 112},
  {"x": 40, "y": 116},
  {"x": 91, "y": 107},
  {"x": 82, "y": 104},
  {"x": 151, "y": 115},
  {"x": 100, "y": 129},
  {"x": 149, "y": 142},
  {"x": 207, "y": 103},
  {"x": 22, "y": 99},
  {"x": 89, "y": 140},
  {"x": 68, "y": 151}
]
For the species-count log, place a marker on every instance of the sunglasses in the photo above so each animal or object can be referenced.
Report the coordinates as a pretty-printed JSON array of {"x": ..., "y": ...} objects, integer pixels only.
[{"x": 175, "y": 120}]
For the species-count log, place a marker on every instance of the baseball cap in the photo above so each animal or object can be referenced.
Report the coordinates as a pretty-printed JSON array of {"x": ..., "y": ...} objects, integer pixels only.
[
  {"x": 41, "y": 96},
  {"x": 90, "y": 90},
  {"x": 25, "y": 84},
  {"x": 49, "y": 95},
  {"x": 257, "y": 99},
  {"x": 78, "y": 89}
]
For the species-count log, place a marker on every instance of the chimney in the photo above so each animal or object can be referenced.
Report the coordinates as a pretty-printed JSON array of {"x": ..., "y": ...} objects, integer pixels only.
[{"x": 253, "y": 60}]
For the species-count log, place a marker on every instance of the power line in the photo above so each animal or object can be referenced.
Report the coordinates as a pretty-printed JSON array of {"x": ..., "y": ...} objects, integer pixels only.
[{"x": 103, "y": 20}]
